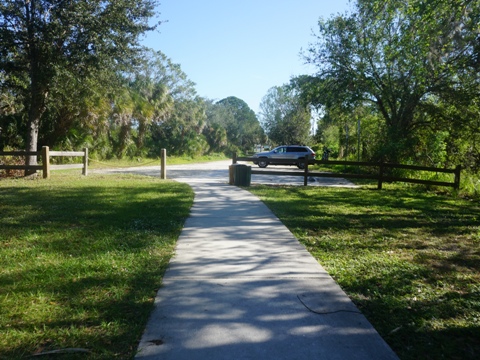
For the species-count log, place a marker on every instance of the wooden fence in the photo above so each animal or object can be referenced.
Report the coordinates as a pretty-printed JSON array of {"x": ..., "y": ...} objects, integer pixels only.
[
  {"x": 46, "y": 154},
  {"x": 380, "y": 175}
]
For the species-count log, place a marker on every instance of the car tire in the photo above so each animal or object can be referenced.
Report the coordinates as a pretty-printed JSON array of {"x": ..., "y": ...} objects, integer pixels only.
[
  {"x": 301, "y": 164},
  {"x": 263, "y": 163}
]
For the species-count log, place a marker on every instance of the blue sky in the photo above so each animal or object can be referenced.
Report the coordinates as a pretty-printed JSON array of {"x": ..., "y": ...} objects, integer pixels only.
[{"x": 240, "y": 48}]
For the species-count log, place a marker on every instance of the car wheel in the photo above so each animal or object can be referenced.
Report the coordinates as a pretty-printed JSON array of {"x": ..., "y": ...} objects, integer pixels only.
[
  {"x": 301, "y": 164},
  {"x": 262, "y": 163}
]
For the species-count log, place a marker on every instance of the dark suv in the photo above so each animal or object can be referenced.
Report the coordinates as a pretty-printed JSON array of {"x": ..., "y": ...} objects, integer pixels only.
[{"x": 296, "y": 155}]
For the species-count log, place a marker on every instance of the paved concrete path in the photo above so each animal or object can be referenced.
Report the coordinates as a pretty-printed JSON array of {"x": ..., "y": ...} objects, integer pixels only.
[{"x": 242, "y": 287}]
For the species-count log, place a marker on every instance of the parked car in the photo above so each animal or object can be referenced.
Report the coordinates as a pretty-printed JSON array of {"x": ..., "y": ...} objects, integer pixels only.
[{"x": 295, "y": 153}]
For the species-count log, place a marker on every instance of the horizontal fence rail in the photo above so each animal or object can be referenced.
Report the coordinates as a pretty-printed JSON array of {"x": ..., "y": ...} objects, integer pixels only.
[
  {"x": 380, "y": 176},
  {"x": 46, "y": 154}
]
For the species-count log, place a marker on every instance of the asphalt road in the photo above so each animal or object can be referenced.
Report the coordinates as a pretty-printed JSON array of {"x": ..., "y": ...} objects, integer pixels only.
[{"x": 217, "y": 171}]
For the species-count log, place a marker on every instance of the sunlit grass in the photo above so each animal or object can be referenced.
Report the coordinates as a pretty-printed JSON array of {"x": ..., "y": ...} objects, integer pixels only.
[
  {"x": 81, "y": 259},
  {"x": 139, "y": 161},
  {"x": 410, "y": 260}
]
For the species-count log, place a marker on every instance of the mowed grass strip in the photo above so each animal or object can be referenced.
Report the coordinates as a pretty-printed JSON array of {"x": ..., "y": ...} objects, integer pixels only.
[
  {"x": 409, "y": 259},
  {"x": 81, "y": 259}
]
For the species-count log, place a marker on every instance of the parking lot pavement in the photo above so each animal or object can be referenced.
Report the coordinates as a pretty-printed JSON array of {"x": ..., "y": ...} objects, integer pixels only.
[{"x": 217, "y": 171}]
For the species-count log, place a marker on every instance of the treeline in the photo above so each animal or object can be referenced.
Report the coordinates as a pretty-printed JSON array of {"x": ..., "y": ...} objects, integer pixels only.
[
  {"x": 133, "y": 113},
  {"x": 398, "y": 81},
  {"x": 73, "y": 74}
]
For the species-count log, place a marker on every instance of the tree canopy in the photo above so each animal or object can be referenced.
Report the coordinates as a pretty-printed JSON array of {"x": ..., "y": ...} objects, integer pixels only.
[
  {"x": 73, "y": 74},
  {"x": 413, "y": 62},
  {"x": 396, "y": 80},
  {"x": 285, "y": 118},
  {"x": 243, "y": 129},
  {"x": 42, "y": 41}
]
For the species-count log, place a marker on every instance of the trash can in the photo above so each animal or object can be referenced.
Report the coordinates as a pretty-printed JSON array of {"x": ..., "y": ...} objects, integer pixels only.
[
  {"x": 244, "y": 176},
  {"x": 231, "y": 173},
  {"x": 240, "y": 175}
]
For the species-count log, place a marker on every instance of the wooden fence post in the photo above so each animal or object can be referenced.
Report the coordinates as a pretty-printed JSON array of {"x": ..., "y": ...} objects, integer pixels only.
[
  {"x": 234, "y": 158},
  {"x": 163, "y": 164},
  {"x": 46, "y": 162},
  {"x": 380, "y": 176},
  {"x": 456, "y": 185},
  {"x": 85, "y": 162},
  {"x": 305, "y": 175}
]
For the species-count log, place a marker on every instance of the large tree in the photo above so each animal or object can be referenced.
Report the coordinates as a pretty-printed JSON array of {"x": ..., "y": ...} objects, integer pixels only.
[
  {"x": 155, "y": 89},
  {"x": 243, "y": 129},
  {"x": 399, "y": 56},
  {"x": 285, "y": 118},
  {"x": 41, "y": 39},
  {"x": 181, "y": 130},
  {"x": 215, "y": 131}
]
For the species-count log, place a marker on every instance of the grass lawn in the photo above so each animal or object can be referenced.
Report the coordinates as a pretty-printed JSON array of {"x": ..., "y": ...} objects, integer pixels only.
[
  {"x": 171, "y": 160},
  {"x": 81, "y": 259},
  {"x": 410, "y": 260}
]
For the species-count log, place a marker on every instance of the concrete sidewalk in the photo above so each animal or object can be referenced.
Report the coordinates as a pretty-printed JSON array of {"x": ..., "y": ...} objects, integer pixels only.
[{"x": 242, "y": 287}]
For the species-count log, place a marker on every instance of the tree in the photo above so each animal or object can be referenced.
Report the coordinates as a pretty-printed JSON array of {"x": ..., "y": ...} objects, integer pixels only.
[
  {"x": 77, "y": 111},
  {"x": 243, "y": 129},
  {"x": 40, "y": 39},
  {"x": 156, "y": 85},
  {"x": 285, "y": 118},
  {"x": 215, "y": 131},
  {"x": 397, "y": 55},
  {"x": 11, "y": 106},
  {"x": 181, "y": 131},
  {"x": 168, "y": 113}
]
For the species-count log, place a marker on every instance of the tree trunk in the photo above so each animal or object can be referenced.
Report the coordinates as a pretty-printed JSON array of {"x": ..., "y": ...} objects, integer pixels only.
[
  {"x": 37, "y": 107},
  {"x": 32, "y": 143},
  {"x": 142, "y": 130}
]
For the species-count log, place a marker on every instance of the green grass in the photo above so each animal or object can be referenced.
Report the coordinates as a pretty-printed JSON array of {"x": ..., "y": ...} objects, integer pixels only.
[
  {"x": 171, "y": 160},
  {"x": 81, "y": 259},
  {"x": 410, "y": 260}
]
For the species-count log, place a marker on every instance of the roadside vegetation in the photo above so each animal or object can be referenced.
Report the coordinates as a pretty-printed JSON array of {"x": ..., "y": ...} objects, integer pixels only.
[
  {"x": 408, "y": 258},
  {"x": 138, "y": 161},
  {"x": 81, "y": 259},
  {"x": 395, "y": 81}
]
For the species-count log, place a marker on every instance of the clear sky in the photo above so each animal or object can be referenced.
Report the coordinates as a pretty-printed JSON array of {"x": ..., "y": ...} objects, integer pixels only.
[{"x": 240, "y": 48}]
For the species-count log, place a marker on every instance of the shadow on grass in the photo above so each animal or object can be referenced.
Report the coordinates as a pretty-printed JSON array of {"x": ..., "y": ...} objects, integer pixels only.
[
  {"x": 409, "y": 260},
  {"x": 425, "y": 329},
  {"x": 81, "y": 264}
]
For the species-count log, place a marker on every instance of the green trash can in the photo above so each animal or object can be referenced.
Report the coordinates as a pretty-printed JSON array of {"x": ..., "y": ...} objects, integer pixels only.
[
  {"x": 242, "y": 175},
  {"x": 247, "y": 176}
]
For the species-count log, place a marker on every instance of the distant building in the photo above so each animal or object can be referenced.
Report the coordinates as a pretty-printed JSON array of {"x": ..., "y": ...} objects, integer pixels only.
[{"x": 259, "y": 148}]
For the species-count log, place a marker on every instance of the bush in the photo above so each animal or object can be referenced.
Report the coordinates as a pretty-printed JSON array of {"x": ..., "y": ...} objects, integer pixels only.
[{"x": 11, "y": 160}]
